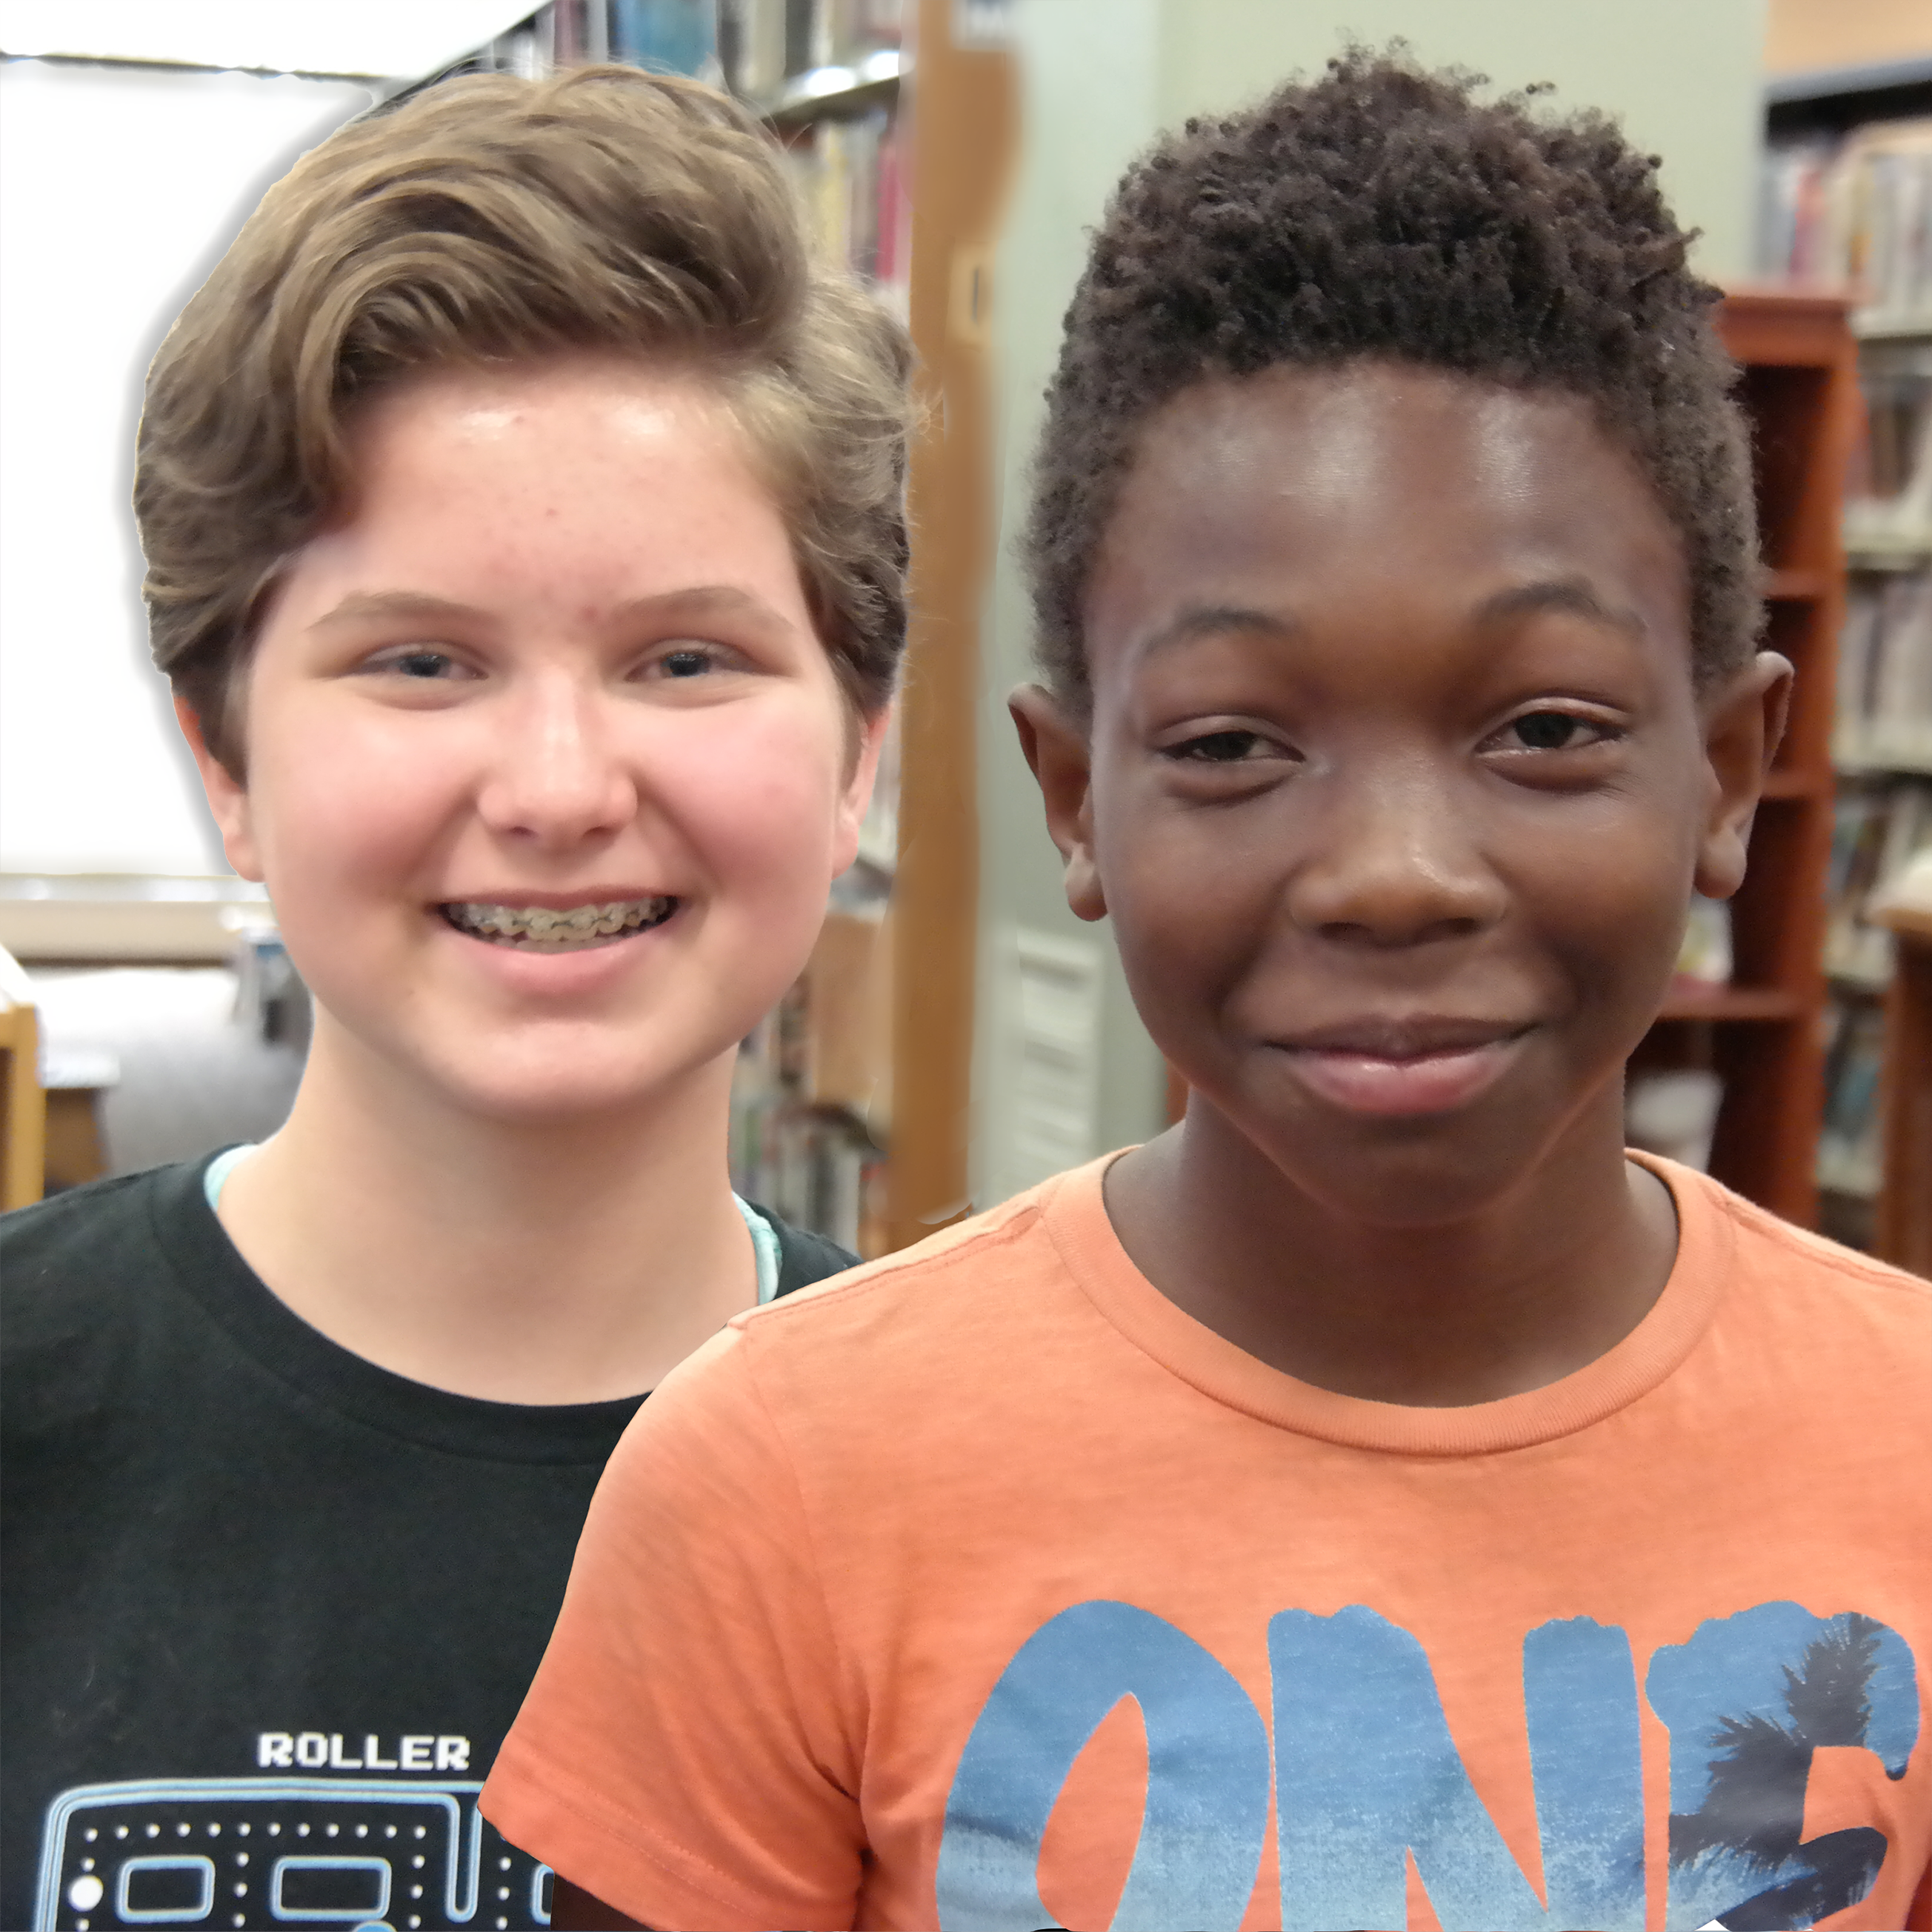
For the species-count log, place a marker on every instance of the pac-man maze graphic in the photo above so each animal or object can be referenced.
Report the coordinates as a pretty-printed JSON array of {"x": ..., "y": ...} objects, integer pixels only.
[{"x": 353, "y": 1856}]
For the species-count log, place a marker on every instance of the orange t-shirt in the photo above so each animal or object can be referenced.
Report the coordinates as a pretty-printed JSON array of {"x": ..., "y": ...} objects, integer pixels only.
[{"x": 982, "y": 1587}]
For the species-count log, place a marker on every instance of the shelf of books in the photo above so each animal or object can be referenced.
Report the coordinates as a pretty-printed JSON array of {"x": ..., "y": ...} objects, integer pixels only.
[
  {"x": 1731, "y": 1078},
  {"x": 1849, "y": 207}
]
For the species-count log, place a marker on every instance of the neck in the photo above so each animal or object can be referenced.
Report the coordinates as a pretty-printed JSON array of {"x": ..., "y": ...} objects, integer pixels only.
[
  {"x": 550, "y": 1260},
  {"x": 1535, "y": 1285}
]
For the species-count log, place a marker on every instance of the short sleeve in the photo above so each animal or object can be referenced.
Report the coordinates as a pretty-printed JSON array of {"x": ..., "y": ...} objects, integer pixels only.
[{"x": 681, "y": 1754}]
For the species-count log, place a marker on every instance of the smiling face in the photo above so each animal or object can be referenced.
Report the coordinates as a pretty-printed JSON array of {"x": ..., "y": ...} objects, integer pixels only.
[
  {"x": 1397, "y": 785},
  {"x": 548, "y": 773}
]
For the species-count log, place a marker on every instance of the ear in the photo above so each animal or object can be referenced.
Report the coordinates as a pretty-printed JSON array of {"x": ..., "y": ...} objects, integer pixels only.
[
  {"x": 1743, "y": 721},
  {"x": 1060, "y": 754},
  {"x": 868, "y": 740},
  {"x": 227, "y": 796}
]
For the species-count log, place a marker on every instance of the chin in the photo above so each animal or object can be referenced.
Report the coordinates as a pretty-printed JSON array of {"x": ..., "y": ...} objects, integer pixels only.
[
  {"x": 531, "y": 1083},
  {"x": 1409, "y": 1176}
]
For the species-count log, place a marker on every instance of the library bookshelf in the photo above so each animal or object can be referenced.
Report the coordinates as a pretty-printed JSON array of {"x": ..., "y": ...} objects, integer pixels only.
[
  {"x": 945, "y": 130},
  {"x": 1763, "y": 1033}
]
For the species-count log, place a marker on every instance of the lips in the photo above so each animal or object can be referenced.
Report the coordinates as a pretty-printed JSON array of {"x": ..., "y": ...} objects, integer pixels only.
[{"x": 1382, "y": 1065}]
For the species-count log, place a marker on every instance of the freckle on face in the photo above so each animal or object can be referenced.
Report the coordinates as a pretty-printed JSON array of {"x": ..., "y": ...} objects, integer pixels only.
[{"x": 1368, "y": 517}]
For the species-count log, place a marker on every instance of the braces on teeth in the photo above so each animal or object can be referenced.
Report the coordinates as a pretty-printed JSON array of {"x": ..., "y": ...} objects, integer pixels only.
[{"x": 542, "y": 926}]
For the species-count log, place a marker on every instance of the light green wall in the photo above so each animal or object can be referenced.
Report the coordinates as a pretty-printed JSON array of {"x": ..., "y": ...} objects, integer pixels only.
[
  {"x": 1100, "y": 79},
  {"x": 1090, "y": 101}
]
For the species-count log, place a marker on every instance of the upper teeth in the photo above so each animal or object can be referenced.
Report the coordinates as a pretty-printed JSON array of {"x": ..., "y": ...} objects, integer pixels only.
[{"x": 546, "y": 923}]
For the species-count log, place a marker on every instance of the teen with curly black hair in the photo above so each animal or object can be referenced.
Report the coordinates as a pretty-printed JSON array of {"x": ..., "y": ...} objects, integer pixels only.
[{"x": 1456, "y": 1504}]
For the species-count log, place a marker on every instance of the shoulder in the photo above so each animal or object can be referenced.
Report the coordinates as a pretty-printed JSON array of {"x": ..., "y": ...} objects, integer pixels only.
[
  {"x": 83, "y": 1277},
  {"x": 968, "y": 1303},
  {"x": 992, "y": 1250},
  {"x": 78, "y": 1240},
  {"x": 1789, "y": 1268}
]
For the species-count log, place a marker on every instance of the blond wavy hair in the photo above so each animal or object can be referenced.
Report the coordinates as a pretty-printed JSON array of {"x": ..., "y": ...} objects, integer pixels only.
[{"x": 491, "y": 220}]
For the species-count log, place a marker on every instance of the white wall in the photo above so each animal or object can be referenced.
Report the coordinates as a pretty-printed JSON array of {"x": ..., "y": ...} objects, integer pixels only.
[
  {"x": 1100, "y": 78},
  {"x": 119, "y": 186}
]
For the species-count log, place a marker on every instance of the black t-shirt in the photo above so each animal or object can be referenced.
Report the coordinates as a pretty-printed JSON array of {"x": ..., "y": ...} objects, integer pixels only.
[{"x": 269, "y": 1609}]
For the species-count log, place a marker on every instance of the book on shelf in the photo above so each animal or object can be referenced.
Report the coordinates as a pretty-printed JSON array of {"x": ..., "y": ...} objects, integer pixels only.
[
  {"x": 1878, "y": 830},
  {"x": 1853, "y": 213},
  {"x": 851, "y": 175},
  {"x": 1888, "y": 487},
  {"x": 1884, "y": 716},
  {"x": 754, "y": 47},
  {"x": 1849, "y": 1152},
  {"x": 811, "y": 1091},
  {"x": 764, "y": 46},
  {"x": 668, "y": 36}
]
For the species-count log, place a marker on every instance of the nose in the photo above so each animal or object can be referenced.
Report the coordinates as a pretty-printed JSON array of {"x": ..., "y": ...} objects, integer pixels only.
[
  {"x": 1392, "y": 860},
  {"x": 556, "y": 777}
]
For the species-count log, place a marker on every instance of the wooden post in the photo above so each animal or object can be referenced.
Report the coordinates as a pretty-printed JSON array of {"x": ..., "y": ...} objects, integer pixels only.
[{"x": 964, "y": 119}]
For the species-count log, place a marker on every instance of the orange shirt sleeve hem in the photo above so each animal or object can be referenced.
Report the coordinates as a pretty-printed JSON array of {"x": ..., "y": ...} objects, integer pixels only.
[{"x": 604, "y": 1852}]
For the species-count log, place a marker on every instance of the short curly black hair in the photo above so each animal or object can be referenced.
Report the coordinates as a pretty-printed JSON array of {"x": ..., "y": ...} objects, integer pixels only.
[{"x": 1385, "y": 211}]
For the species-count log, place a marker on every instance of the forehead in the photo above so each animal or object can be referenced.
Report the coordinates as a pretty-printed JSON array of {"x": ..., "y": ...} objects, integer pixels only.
[
  {"x": 1376, "y": 489},
  {"x": 606, "y": 474}
]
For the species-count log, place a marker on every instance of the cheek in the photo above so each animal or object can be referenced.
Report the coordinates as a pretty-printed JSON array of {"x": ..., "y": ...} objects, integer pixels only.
[
  {"x": 1193, "y": 900},
  {"x": 1613, "y": 895},
  {"x": 756, "y": 790},
  {"x": 341, "y": 809}
]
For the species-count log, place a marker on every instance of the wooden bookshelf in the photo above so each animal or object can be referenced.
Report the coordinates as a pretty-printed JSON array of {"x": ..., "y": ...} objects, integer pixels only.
[
  {"x": 1904, "y": 1224},
  {"x": 1763, "y": 1033}
]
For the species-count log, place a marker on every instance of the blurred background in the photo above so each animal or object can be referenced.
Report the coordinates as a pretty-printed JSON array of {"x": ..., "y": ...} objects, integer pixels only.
[{"x": 959, "y": 1035}]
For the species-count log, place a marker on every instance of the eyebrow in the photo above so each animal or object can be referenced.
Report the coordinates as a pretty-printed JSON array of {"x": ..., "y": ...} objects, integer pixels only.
[
  {"x": 1201, "y": 621},
  {"x": 363, "y": 607},
  {"x": 1569, "y": 595}
]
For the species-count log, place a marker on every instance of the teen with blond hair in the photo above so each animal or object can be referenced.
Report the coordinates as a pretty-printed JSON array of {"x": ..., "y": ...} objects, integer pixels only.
[{"x": 523, "y": 516}]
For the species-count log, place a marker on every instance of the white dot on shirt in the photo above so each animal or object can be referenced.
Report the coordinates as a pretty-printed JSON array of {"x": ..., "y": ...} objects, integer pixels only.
[{"x": 84, "y": 1894}]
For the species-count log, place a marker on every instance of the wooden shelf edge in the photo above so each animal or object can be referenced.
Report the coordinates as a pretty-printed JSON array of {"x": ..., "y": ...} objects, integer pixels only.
[
  {"x": 801, "y": 110},
  {"x": 1756, "y": 1004}
]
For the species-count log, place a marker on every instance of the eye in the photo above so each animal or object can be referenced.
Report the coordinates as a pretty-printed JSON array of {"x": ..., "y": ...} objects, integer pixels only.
[
  {"x": 685, "y": 658},
  {"x": 418, "y": 661},
  {"x": 1219, "y": 748},
  {"x": 1551, "y": 731}
]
